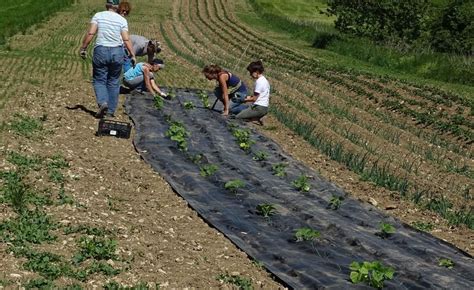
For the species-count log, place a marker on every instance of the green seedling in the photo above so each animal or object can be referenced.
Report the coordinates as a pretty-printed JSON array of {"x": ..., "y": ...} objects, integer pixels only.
[
  {"x": 335, "y": 202},
  {"x": 208, "y": 170},
  {"x": 204, "y": 99},
  {"x": 158, "y": 102},
  {"x": 241, "y": 283},
  {"x": 372, "y": 273},
  {"x": 266, "y": 210},
  {"x": 386, "y": 230},
  {"x": 260, "y": 156},
  {"x": 178, "y": 133},
  {"x": 448, "y": 263},
  {"x": 301, "y": 183},
  {"x": 23, "y": 162},
  {"x": 172, "y": 95},
  {"x": 189, "y": 105},
  {"x": 234, "y": 185},
  {"x": 306, "y": 234},
  {"x": 279, "y": 169},
  {"x": 197, "y": 158},
  {"x": 243, "y": 138},
  {"x": 63, "y": 198},
  {"x": 426, "y": 227},
  {"x": 26, "y": 126},
  {"x": 95, "y": 248}
]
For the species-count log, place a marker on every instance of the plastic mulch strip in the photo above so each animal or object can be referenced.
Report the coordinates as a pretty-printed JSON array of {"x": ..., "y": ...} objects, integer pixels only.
[{"x": 204, "y": 156}]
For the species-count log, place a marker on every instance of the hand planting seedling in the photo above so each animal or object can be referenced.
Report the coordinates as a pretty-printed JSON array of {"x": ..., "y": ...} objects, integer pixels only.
[
  {"x": 279, "y": 169},
  {"x": 158, "y": 102},
  {"x": 265, "y": 209},
  {"x": 372, "y": 273},
  {"x": 260, "y": 156},
  {"x": 208, "y": 170},
  {"x": 386, "y": 230},
  {"x": 178, "y": 133},
  {"x": 301, "y": 184},
  {"x": 448, "y": 263},
  {"x": 306, "y": 234},
  {"x": 335, "y": 202},
  {"x": 189, "y": 105},
  {"x": 172, "y": 95},
  {"x": 234, "y": 185}
]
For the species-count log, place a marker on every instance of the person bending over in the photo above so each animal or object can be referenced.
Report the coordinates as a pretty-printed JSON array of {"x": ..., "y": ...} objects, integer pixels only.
[
  {"x": 141, "y": 77},
  {"x": 229, "y": 88},
  {"x": 261, "y": 95}
]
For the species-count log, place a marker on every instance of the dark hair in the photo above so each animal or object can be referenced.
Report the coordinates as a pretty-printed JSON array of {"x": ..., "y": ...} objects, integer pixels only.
[
  {"x": 212, "y": 69},
  {"x": 256, "y": 66},
  {"x": 124, "y": 8}
]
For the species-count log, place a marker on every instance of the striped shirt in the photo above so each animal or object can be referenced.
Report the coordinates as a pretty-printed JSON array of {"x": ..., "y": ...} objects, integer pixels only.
[{"x": 110, "y": 26}]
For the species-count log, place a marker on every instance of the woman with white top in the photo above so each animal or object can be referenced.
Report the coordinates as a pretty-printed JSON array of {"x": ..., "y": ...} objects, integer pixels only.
[
  {"x": 260, "y": 97},
  {"x": 107, "y": 61}
]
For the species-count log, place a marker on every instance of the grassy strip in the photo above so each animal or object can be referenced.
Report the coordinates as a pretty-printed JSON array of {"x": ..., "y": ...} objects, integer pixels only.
[
  {"x": 18, "y": 16},
  {"x": 436, "y": 66}
]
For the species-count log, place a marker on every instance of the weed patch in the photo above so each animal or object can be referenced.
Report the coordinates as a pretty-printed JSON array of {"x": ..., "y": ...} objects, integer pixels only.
[
  {"x": 26, "y": 126},
  {"x": 239, "y": 282}
]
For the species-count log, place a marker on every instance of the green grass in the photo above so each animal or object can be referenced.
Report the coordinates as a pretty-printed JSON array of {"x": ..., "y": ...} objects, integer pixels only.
[
  {"x": 18, "y": 16},
  {"x": 453, "y": 73}
]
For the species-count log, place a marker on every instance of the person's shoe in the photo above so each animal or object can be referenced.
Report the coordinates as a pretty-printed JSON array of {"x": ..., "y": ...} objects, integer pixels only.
[
  {"x": 124, "y": 90},
  {"x": 102, "y": 110}
]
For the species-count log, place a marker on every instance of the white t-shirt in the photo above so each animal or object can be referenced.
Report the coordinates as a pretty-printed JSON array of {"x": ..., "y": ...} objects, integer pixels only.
[
  {"x": 110, "y": 26},
  {"x": 262, "y": 87}
]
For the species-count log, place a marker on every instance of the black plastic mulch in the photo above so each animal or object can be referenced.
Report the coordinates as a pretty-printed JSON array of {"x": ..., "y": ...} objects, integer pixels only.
[{"x": 347, "y": 234}]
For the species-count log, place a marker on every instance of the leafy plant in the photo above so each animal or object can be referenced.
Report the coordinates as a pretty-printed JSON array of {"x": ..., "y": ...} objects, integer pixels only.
[
  {"x": 204, "y": 99},
  {"x": 426, "y": 227},
  {"x": 63, "y": 198},
  {"x": 265, "y": 209},
  {"x": 243, "y": 138},
  {"x": 96, "y": 248},
  {"x": 335, "y": 202},
  {"x": 234, "y": 185},
  {"x": 386, "y": 230},
  {"x": 306, "y": 234},
  {"x": 178, "y": 133},
  {"x": 26, "y": 126},
  {"x": 158, "y": 102},
  {"x": 240, "y": 282},
  {"x": 208, "y": 170},
  {"x": 372, "y": 273},
  {"x": 25, "y": 163},
  {"x": 260, "y": 156},
  {"x": 448, "y": 263},
  {"x": 302, "y": 184},
  {"x": 279, "y": 169},
  {"x": 30, "y": 226},
  {"x": 189, "y": 105}
]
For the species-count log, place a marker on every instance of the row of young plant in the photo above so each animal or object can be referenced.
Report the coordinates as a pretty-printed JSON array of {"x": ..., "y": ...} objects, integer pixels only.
[
  {"x": 371, "y": 273},
  {"x": 375, "y": 172},
  {"x": 429, "y": 92},
  {"x": 448, "y": 143},
  {"x": 30, "y": 229}
]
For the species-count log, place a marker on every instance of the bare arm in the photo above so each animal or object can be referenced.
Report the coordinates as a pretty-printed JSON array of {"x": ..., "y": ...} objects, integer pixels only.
[
  {"x": 146, "y": 77},
  {"x": 225, "y": 93},
  {"x": 251, "y": 99},
  {"x": 89, "y": 36}
]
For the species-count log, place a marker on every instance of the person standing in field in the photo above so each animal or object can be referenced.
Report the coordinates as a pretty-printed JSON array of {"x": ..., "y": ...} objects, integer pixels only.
[
  {"x": 261, "y": 94},
  {"x": 112, "y": 33},
  {"x": 141, "y": 45},
  {"x": 229, "y": 87}
]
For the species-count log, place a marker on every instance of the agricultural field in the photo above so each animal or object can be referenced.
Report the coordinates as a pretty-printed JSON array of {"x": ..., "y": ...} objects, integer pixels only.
[{"x": 82, "y": 211}]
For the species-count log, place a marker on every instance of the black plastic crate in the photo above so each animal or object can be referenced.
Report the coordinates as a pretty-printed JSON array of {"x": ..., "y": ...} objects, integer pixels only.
[{"x": 114, "y": 128}]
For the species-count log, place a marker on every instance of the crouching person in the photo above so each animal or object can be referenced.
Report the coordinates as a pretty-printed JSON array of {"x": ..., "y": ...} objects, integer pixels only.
[
  {"x": 141, "y": 77},
  {"x": 261, "y": 97}
]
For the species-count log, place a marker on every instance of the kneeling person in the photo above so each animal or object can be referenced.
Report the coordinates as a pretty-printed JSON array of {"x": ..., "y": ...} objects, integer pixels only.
[
  {"x": 260, "y": 97},
  {"x": 141, "y": 77}
]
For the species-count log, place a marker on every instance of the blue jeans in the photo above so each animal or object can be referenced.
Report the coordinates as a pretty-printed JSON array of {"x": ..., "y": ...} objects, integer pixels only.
[
  {"x": 236, "y": 99},
  {"x": 106, "y": 68},
  {"x": 127, "y": 61}
]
